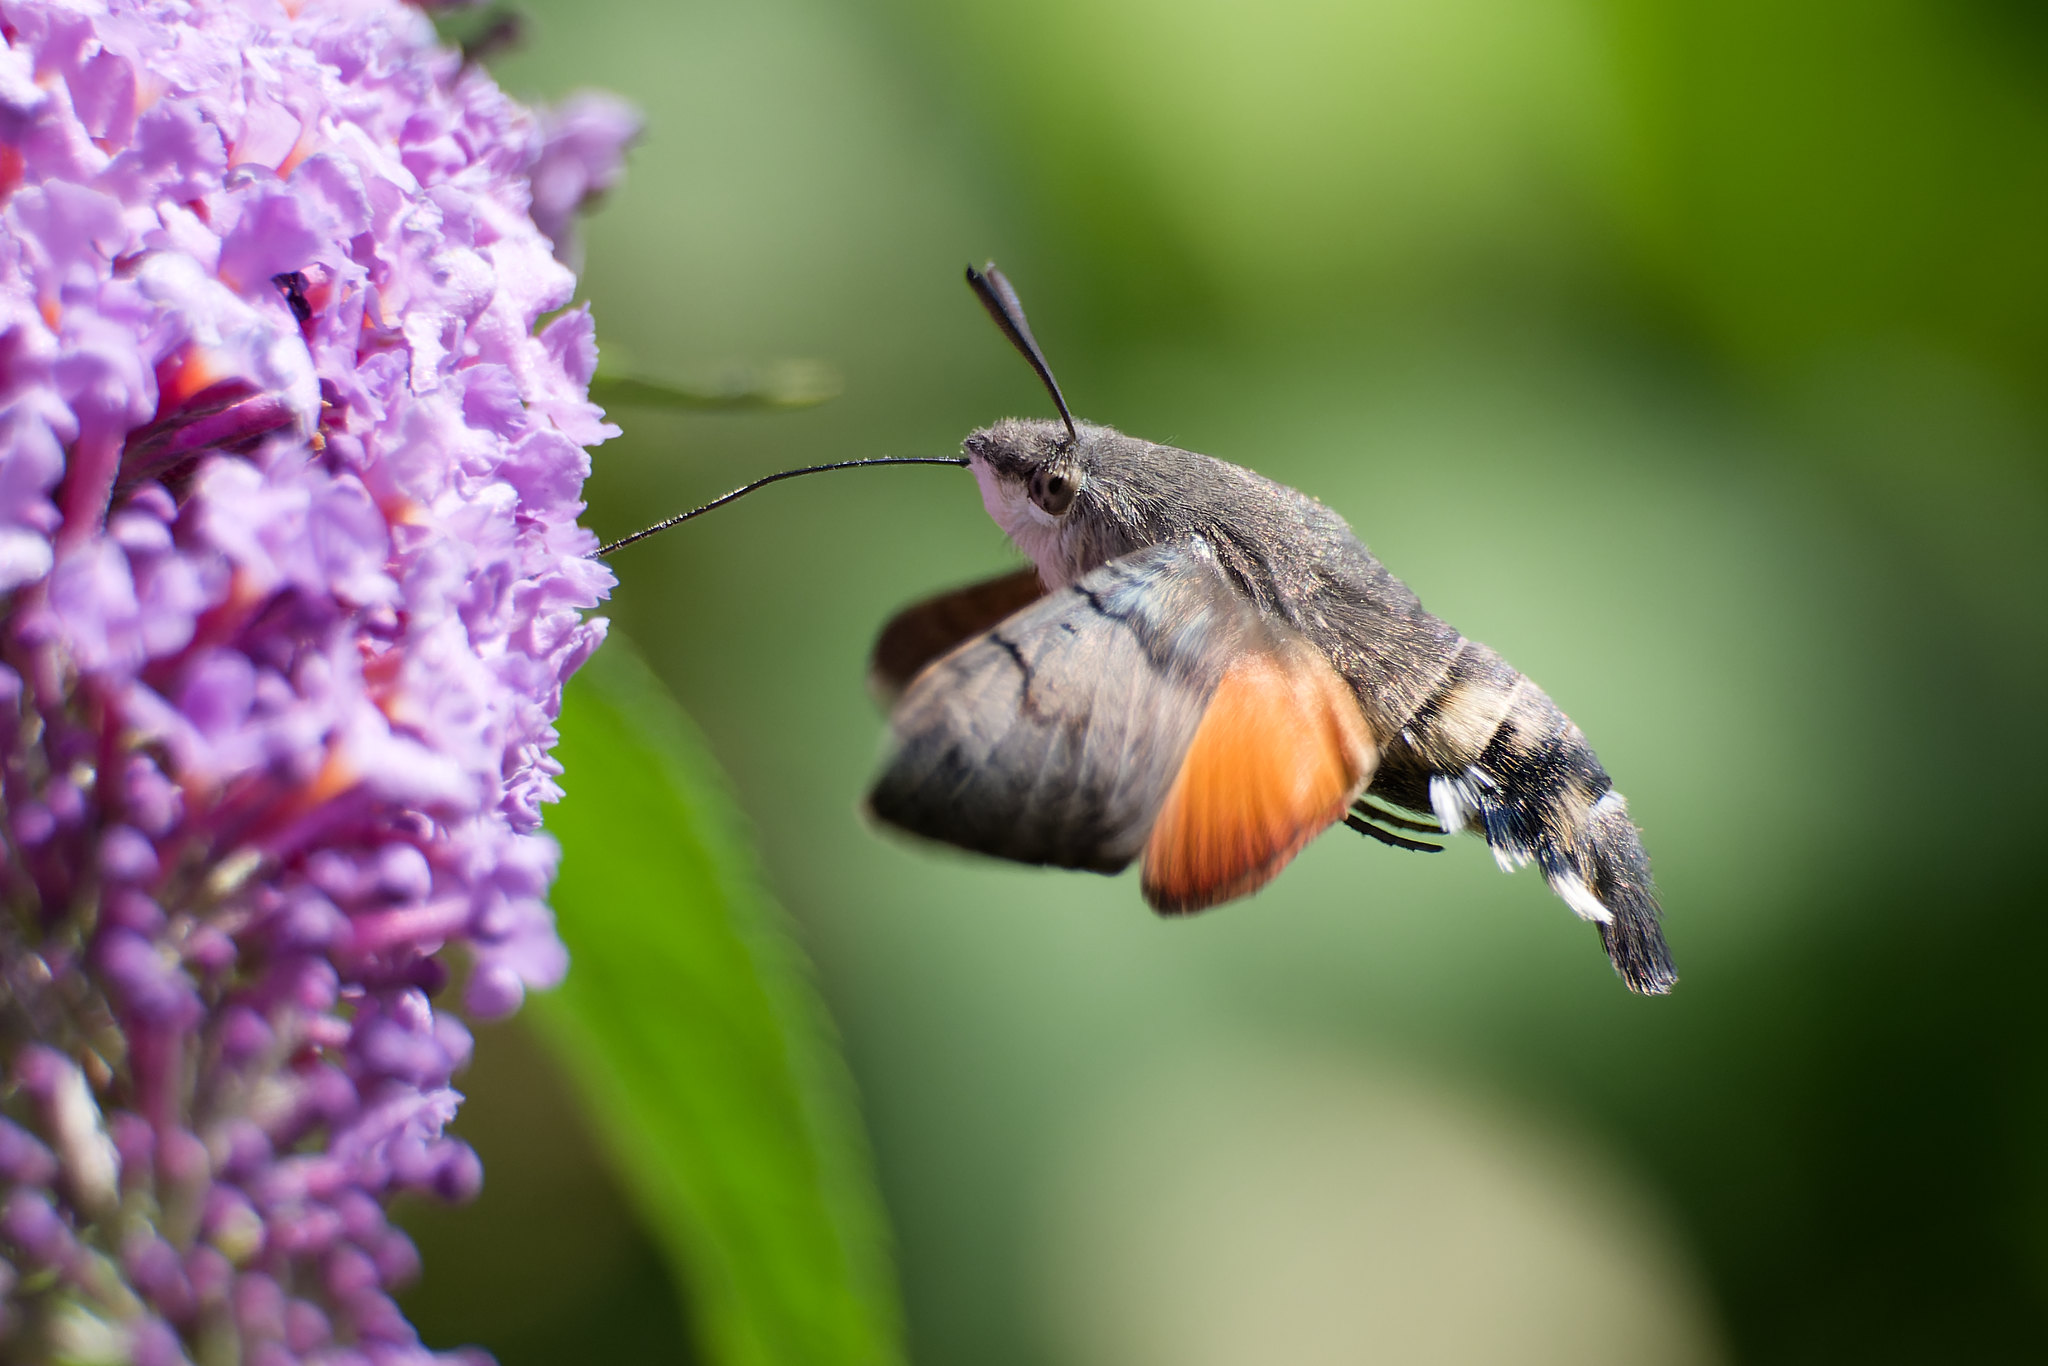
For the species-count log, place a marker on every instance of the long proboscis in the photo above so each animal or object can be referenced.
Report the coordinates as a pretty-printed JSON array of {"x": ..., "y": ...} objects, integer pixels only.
[{"x": 764, "y": 482}]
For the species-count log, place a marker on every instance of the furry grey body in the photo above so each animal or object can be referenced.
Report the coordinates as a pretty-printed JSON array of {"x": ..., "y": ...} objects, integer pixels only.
[{"x": 1462, "y": 735}]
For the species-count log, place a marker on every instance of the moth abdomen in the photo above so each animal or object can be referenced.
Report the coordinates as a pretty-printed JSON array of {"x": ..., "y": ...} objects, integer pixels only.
[{"x": 1494, "y": 755}]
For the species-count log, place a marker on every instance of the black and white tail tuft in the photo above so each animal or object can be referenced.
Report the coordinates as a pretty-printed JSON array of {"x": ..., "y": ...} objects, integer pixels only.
[{"x": 1503, "y": 761}]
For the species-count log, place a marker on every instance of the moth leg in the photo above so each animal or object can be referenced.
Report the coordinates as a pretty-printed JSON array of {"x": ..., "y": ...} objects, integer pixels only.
[
  {"x": 1390, "y": 839},
  {"x": 1374, "y": 809}
]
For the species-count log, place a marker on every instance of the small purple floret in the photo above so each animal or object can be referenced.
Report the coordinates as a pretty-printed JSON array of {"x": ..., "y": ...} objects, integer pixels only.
[
  {"x": 290, "y": 581},
  {"x": 583, "y": 156}
]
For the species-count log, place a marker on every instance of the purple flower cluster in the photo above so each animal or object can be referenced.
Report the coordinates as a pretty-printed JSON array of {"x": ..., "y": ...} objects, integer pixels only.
[{"x": 290, "y": 579}]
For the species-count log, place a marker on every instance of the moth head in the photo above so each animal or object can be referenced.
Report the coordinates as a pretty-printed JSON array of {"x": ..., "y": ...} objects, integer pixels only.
[
  {"x": 1020, "y": 461},
  {"x": 1039, "y": 480}
]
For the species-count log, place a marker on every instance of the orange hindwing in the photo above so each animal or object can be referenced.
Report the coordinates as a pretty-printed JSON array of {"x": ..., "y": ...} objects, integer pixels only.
[{"x": 1281, "y": 753}]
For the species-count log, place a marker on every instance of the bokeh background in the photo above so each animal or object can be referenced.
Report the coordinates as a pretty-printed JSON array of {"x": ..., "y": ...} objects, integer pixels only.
[{"x": 1692, "y": 353}]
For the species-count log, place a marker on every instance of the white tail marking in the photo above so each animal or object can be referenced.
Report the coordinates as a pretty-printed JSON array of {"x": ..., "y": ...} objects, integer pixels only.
[{"x": 1572, "y": 889}]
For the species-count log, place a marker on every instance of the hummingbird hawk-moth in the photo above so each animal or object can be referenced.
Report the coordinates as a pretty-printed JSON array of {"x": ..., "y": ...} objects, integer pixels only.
[{"x": 1201, "y": 671}]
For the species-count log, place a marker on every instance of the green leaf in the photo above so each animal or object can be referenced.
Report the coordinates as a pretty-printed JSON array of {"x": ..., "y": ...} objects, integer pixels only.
[
  {"x": 785, "y": 384},
  {"x": 690, "y": 1025}
]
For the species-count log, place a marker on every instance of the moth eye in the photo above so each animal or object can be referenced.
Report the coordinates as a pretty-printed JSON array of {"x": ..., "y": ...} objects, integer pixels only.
[{"x": 1054, "y": 490}]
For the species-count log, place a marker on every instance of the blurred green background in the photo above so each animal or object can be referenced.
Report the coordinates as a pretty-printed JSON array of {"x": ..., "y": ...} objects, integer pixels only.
[{"x": 1690, "y": 353}]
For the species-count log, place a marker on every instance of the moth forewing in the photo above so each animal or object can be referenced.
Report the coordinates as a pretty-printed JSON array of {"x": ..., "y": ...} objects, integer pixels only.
[{"x": 1053, "y": 737}]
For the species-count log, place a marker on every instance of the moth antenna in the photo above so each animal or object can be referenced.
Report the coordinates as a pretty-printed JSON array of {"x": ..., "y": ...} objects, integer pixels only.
[
  {"x": 764, "y": 482},
  {"x": 1002, "y": 304}
]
